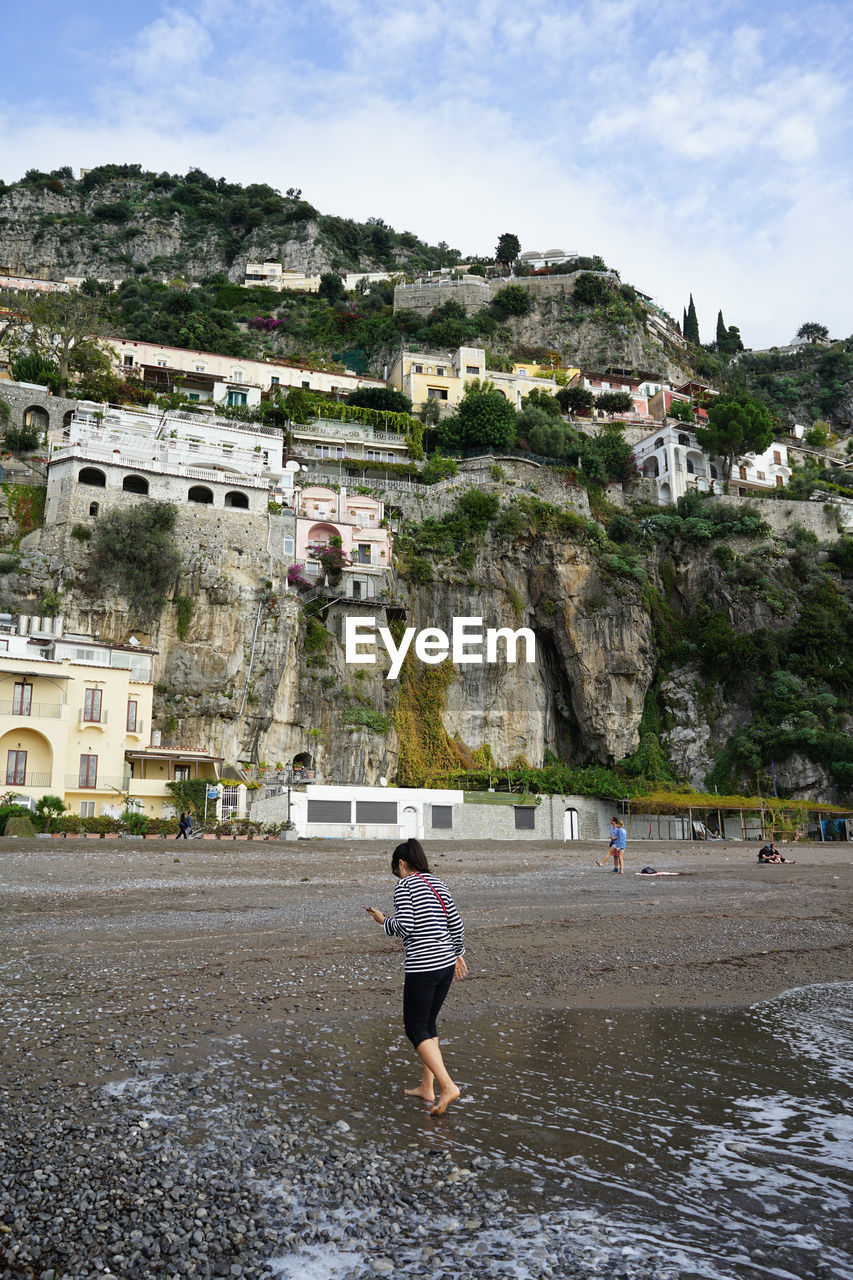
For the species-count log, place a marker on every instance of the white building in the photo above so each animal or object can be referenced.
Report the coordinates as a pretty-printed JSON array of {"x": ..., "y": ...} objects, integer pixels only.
[
  {"x": 173, "y": 457},
  {"x": 207, "y": 376},
  {"x": 672, "y": 457}
]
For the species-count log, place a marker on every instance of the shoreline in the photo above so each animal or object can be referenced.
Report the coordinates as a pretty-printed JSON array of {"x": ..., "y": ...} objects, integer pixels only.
[{"x": 192, "y": 1040}]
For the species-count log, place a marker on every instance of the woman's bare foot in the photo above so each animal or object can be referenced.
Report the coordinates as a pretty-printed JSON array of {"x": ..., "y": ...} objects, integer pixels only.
[
  {"x": 444, "y": 1100},
  {"x": 428, "y": 1095}
]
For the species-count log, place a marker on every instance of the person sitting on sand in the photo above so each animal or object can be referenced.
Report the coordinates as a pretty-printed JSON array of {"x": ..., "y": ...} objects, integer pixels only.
[
  {"x": 769, "y": 853},
  {"x": 433, "y": 935}
]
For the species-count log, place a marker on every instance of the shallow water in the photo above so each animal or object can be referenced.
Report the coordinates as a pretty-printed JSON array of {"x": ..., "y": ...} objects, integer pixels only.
[{"x": 717, "y": 1144}]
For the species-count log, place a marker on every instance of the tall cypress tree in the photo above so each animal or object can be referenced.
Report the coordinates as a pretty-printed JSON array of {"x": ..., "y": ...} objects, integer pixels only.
[
  {"x": 722, "y": 332},
  {"x": 691, "y": 324},
  {"x": 684, "y": 322}
]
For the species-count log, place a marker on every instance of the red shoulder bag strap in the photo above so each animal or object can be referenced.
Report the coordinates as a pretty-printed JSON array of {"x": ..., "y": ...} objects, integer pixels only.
[{"x": 435, "y": 891}]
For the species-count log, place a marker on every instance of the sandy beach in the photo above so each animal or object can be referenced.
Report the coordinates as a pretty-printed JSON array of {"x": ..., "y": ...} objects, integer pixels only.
[
  {"x": 137, "y": 935},
  {"x": 191, "y": 965}
]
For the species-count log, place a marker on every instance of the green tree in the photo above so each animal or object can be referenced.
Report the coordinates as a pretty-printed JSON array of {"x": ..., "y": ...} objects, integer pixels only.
[
  {"x": 591, "y": 290},
  {"x": 576, "y": 400},
  {"x": 49, "y": 807},
  {"x": 508, "y": 249},
  {"x": 721, "y": 330},
  {"x": 681, "y": 410},
  {"x": 513, "y": 300},
  {"x": 732, "y": 342},
  {"x": 52, "y": 325},
  {"x": 484, "y": 419},
  {"x": 691, "y": 324},
  {"x": 381, "y": 398},
  {"x": 332, "y": 287},
  {"x": 614, "y": 402},
  {"x": 133, "y": 548},
  {"x": 32, "y": 367},
  {"x": 737, "y": 424},
  {"x": 813, "y": 332}
]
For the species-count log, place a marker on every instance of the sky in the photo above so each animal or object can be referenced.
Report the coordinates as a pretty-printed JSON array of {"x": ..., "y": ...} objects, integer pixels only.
[{"x": 699, "y": 147}]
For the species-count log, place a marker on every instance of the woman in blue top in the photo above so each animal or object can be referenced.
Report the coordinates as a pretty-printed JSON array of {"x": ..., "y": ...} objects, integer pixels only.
[
  {"x": 619, "y": 847},
  {"x": 426, "y": 919}
]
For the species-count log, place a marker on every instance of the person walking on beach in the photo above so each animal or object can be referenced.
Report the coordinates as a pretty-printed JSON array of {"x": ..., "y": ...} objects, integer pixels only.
[
  {"x": 614, "y": 827},
  {"x": 433, "y": 935},
  {"x": 619, "y": 847}
]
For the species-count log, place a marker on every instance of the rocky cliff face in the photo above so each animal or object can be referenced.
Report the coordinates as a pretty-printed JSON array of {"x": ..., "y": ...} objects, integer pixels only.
[
  {"x": 257, "y": 674},
  {"x": 68, "y": 233}
]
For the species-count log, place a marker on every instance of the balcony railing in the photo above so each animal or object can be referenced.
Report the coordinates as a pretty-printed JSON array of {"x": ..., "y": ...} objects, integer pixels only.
[
  {"x": 30, "y": 779},
  {"x": 36, "y": 710},
  {"x": 137, "y": 729},
  {"x": 87, "y": 722},
  {"x": 105, "y": 782}
]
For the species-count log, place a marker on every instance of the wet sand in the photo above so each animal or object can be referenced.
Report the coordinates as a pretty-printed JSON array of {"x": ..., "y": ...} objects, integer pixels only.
[
  {"x": 201, "y": 1050},
  {"x": 158, "y": 942}
]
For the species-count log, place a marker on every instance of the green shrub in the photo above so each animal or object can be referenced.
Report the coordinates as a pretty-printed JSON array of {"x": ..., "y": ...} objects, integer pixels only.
[
  {"x": 417, "y": 570},
  {"x": 133, "y": 547},
  {"x": 81, "y": 532},
  {"x": 9, "y": 811},
  {"x": 19, "y": 825},
  {"x": 10, "y": 564},
  {"x": 356, "y": 715}
]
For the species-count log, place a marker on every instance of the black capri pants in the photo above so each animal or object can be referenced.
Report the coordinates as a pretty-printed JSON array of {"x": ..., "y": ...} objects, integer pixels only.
[{"x": 423, "y": 995}]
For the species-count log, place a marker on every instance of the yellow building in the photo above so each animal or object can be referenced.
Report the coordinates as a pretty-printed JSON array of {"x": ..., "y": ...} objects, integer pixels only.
[
  {"x": 75, "y": 722},
  {"x": 432, "y": 375}
]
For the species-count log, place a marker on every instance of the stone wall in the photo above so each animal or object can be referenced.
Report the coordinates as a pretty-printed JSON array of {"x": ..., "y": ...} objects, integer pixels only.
[
  {"x": 68, "y": 499},
  {"x": 820, "y": 517},
  {"x": 20, "y": 398},
  {"x": 423, "y": 298}
]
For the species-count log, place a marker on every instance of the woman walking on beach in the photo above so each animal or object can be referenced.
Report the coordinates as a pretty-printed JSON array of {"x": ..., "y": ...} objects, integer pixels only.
[{"x": 426, "y": 919}]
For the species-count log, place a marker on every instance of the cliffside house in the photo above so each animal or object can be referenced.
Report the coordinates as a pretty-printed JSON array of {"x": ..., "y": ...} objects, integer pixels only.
[
  {"x": 75, "y": 722},
  {"x": 277, "y": 276},
  {"x": 359, "y": 521},
  {"x": 206, "y": 376},
  {"x": 443, "y": 377},
  {"x": 176, "y": 457},
  {"x": 616, "y": 380},
  {"x": 332, "y": 440},
  {"x": 537, "y": 261},
  {"x": 672, "y": 457}
]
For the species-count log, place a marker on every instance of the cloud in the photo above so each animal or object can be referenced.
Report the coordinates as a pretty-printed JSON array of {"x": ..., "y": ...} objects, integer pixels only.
[{"x": 694, "y": 155}]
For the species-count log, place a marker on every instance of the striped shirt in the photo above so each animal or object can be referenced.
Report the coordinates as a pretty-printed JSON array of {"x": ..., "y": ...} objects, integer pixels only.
[{"x": 431, "y": 938}]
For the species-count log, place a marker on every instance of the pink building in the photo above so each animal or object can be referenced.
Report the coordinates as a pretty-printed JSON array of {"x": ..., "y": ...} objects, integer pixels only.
[{"x": 359, "y": 522}]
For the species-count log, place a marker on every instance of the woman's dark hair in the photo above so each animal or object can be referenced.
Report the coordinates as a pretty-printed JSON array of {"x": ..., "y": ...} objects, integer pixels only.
[{"x": 412, "y": 853}]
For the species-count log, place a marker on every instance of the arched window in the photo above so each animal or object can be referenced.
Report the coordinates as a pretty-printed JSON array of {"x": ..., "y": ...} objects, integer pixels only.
[
  {"x": 682, "y": 438},
  {"x": 200, "y": 493},
  {"x": 66, "y": 418},
  {"x": 237, "y": 499},
  {"x": 713, "y": 471},
  {"x": 92, "y": 476},
  {"x": 94, "y": 508},
  {"x": 134, "y": 484},
  {"x": 288, "y": 547},
  {"x": 690, "y": 470},
  {"x": 659, "y": 442}
]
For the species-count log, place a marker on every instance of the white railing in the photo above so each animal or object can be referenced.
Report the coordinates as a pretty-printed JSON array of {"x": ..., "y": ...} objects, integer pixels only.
[
  {"x": 355, "y": 430},
  {"x": 131, "y": 462}
]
